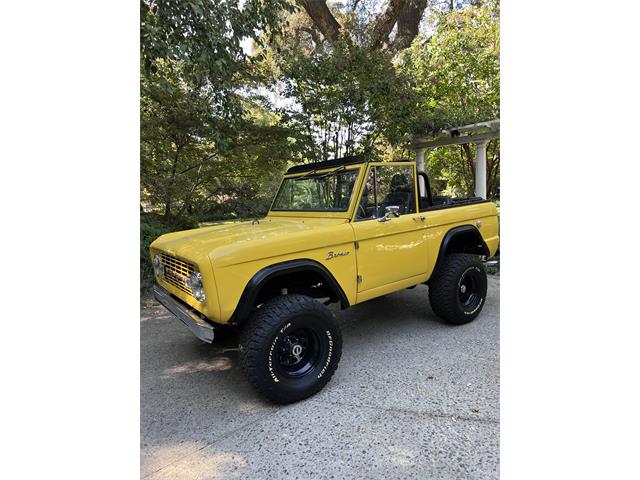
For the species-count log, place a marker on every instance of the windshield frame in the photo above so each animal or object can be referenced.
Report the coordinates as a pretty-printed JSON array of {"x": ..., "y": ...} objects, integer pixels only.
[{"x": 343, "y": 213}]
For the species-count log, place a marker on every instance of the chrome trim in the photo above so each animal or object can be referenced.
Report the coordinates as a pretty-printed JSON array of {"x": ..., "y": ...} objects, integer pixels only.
[
  {"x": 198, "y": 327},
  {"x": 390, "y": 210}
]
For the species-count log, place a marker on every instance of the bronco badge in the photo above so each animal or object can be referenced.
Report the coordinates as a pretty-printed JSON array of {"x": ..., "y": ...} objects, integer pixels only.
[{"x": 331, "y": 255}]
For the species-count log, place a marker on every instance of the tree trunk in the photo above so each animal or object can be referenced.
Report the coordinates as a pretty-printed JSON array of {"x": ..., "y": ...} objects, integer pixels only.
[
  {"x": 169, "y": 193},
  {"x": 323, "y": 19},
  {"x": 406, "y": 13},
  {"x": 409, "y": 23},
  {"x": 385, "y": 22},
  {"x": 187, "y": 202}
]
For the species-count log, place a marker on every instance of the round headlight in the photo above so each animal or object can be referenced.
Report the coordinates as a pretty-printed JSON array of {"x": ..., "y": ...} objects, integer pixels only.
[
  {"x": 158, "y": 268},
  {"x": 194, "y": 282}
]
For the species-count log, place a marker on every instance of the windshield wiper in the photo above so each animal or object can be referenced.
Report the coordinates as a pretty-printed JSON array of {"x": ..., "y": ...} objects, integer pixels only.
[
  {"x": 343, "y": 167},
  {"x": 323, "y": 175},
  {"x": 305, "y": 175}
]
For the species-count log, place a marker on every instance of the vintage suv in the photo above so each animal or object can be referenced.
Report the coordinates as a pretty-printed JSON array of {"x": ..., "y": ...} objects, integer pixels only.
[{"x": 345, "y": 231}]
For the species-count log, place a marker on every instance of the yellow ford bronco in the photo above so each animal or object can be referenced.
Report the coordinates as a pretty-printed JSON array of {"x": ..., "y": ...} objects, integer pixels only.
[{"x": 343, "y": 231}]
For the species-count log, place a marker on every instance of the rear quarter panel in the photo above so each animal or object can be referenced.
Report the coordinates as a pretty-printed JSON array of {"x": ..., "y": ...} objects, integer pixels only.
[{"x": 440, "y": 221}]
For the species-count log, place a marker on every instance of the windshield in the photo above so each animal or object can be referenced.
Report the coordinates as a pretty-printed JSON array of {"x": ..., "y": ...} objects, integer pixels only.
[{"x": 312, "y": 192}]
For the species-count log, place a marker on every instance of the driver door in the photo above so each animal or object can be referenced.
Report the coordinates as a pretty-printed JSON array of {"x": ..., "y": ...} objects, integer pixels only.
[{"x": 391, "y": 248}]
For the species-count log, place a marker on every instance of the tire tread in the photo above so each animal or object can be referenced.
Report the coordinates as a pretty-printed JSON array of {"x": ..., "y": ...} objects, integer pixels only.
[
  {"x": 257, "y": 331},
  {"x": 443, "y": 288}
]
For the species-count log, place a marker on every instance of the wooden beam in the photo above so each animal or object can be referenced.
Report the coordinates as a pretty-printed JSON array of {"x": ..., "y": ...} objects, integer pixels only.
[{"x": 441, "y": 141}]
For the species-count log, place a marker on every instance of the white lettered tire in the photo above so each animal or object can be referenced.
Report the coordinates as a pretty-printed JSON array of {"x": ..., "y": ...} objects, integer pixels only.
[
  {"x": 290, "y": 348},
  {"x": 458, "y": 288}
]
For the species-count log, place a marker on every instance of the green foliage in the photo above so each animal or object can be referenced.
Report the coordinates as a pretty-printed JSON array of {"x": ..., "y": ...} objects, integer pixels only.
[
  {"x": 456, "y": 77},
  {"x": 151, "y": 227},
  {"x": 345, "y": 99},
  {"x": 452, "y": 170},
  {"x": 348, "y": 98},
  {"x": 214, "y": 143},
  {"x": 205, "y": 141},
  {"x": 205, "y": 36},
  {"x": 193, "y": 159},
  {"x": 456, "y": 71}
]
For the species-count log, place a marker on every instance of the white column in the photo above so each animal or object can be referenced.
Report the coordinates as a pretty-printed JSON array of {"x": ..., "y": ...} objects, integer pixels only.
[
  {"x": 420, "y": 158},
  {"x": 481, "y": 169}
]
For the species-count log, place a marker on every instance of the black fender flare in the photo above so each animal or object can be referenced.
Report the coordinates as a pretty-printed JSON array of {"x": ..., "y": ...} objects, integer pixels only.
[
  {"x": 253, "y": 287},
  {"x": 456, "y": 232}
]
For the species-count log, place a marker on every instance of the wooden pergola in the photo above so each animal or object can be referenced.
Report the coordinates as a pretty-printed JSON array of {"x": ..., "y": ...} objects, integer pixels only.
[{"x": 477, "y": 133}]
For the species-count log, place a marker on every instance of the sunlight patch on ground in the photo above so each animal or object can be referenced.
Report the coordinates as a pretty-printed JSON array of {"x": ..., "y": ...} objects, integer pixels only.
[
  {"x": 202, "y": 462},
  {"x": 218, "y": 364}
]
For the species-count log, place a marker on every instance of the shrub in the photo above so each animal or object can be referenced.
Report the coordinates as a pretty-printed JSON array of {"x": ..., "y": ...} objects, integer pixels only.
[{"x": 151, "y": 227}]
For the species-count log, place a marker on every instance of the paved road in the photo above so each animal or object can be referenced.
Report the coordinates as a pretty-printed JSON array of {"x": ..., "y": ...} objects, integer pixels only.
[{"x": 412, "y": 398}]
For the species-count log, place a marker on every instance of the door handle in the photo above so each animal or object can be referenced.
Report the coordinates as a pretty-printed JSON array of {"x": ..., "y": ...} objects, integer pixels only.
[{"x": 422, "y": 218}]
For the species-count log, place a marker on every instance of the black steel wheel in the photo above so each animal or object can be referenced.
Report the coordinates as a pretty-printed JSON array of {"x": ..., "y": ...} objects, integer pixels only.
[
  {"x": 290, "y": 348},
  {"x": 299, "y": 352},
  {"x": 458, "y": 288},
  {"x": 469, "y": 289}
]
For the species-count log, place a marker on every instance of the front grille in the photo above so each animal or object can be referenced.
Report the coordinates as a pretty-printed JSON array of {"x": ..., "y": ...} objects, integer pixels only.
[{"x": 177, "y": 271}]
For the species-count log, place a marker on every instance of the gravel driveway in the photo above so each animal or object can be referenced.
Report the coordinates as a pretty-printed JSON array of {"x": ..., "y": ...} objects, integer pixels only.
[{"x": 412, "y": 398}]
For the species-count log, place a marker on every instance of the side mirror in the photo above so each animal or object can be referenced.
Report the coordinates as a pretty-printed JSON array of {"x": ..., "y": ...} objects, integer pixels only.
[{"x": 390, "y": 210}]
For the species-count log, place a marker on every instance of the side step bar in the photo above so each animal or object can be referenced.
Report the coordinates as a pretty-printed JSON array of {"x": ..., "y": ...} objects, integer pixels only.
[{"x": 198, "y": 327}]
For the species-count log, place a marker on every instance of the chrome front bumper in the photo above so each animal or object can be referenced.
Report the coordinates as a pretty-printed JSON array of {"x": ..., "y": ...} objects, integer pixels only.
[{"x": 197, "y": 325}]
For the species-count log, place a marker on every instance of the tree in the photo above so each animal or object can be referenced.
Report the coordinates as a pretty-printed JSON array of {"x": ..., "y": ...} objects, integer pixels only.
[
  {"x": 193, "y": 113},
  {"x": 204, "y": 38},
  {"x": 204, "y": 35},
  {"x": 345, "y": 94},
  {"x": 191, "y": 158},
  {"x": 347, "y": 101},
  {"x": 406, "y": 14},
  {"x": 452, "y": 170},
  {"x": 179, "y": 131},
  {"x": 455, "y": 74},
  {"x": 336, "y": 64},
  {"x": 456, "y": 71}
]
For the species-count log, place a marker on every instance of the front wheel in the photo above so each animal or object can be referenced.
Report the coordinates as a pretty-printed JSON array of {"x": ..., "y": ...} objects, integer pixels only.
[
  {"x": 290, "y": 348},
  {"x": 458, "y": 289}
]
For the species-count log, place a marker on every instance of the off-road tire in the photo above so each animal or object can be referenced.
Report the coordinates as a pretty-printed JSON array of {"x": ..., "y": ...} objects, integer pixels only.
[
  {"x": 268, "y": 332},
  {"x": 458, "y": 270}
]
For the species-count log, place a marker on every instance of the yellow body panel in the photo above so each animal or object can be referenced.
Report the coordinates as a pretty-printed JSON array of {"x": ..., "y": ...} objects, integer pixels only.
[
  {"x": 439, "y": 221},
  {"x": 390, "y": 251},
  {"x": 390, "y": 256}
]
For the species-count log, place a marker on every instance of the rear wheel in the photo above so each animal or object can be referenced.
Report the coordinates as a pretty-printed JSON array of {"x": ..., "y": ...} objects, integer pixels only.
[
  {"x": 290, "y": 348},
  {"x": 458, "y": 289}
]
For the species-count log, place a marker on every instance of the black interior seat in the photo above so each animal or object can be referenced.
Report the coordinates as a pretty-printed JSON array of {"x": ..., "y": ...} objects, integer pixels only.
[{"x": 401, "y": 194}]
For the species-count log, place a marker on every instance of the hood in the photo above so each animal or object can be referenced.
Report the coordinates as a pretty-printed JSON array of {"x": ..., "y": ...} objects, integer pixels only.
[{"x": 248, "y": 241}]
